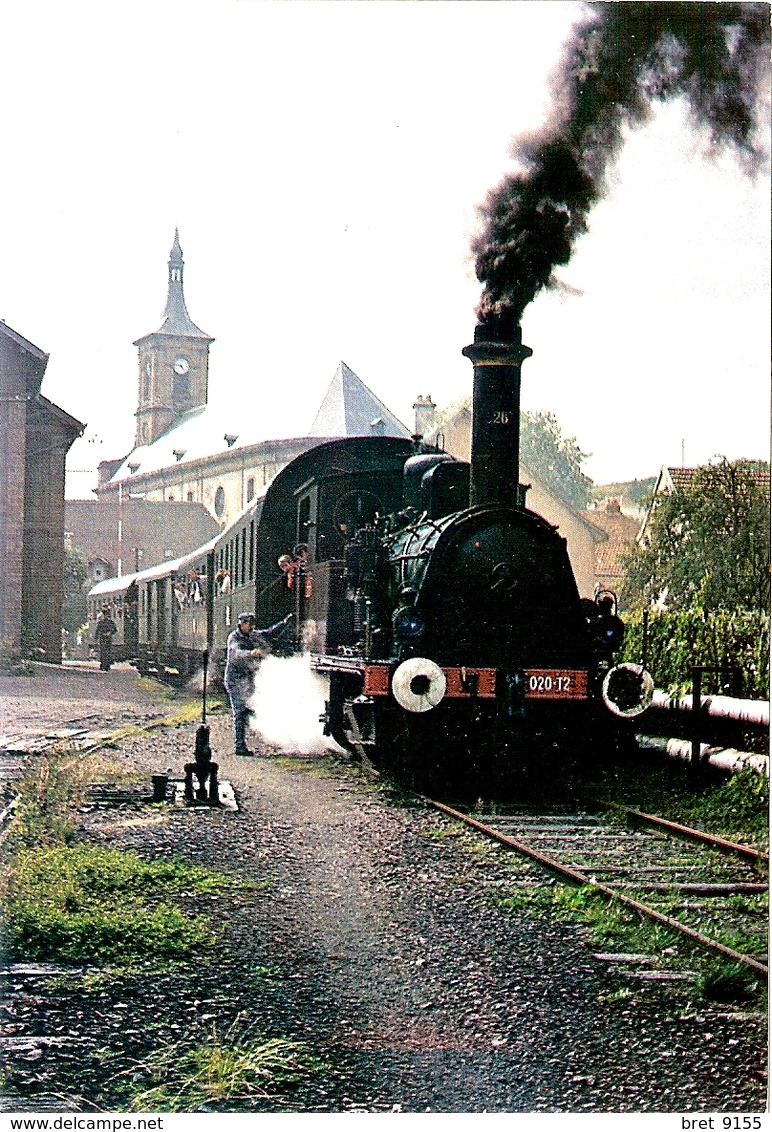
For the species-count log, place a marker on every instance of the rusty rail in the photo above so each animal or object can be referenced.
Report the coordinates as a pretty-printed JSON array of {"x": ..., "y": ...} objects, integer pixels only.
[{"x": 581, "y": 878}]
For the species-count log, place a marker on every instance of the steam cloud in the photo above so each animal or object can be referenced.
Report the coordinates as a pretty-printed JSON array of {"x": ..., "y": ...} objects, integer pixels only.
[
  {"x": 287, "y": 703},
  {"x": 621, "y": 59}
]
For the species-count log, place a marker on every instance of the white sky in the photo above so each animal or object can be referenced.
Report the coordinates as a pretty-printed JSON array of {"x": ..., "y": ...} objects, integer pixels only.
[{"x": 323, "y": 162}]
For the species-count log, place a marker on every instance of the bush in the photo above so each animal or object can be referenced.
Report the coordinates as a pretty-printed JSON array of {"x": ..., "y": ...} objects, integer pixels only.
[{"x": 678, "y": 639}]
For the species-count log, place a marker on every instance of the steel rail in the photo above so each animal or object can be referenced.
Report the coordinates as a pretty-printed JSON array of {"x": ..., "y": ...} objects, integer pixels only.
[
  {"x": 756, "y": 856},
  {"x": 583, "y": 879}
]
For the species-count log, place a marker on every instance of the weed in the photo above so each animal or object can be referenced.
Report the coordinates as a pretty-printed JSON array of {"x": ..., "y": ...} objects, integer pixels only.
[
  {"x": 312, "y": 767},
  {"x": 227, "y": 1069},
  {"x": 449, "y": 832},
  {"x": 155, "y": 688},
  {"x": 622, "y": 994},
  {"x": 92, "y": 904},
  {"x": 727, "y": 982},
  {"x": 536, "y": 899},
  {"x": 21, "y": 668},
  {"x": 46, "y": 794},
  {"x": 736, "y": 807}
]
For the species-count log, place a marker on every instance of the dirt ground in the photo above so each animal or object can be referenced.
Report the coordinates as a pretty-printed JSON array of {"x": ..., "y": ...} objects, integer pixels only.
[{"x": 374, "y": 938}]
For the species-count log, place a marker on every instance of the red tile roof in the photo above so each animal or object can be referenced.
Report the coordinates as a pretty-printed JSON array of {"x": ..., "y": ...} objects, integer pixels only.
[{"x": 682, "y": 477}]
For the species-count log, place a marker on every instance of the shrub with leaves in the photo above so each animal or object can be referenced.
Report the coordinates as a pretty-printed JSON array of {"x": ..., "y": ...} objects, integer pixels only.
[
  {"x": 723, "y": 638},
  {"x": 707, "y": 544},
  {"x": 227, "y": 1070}
]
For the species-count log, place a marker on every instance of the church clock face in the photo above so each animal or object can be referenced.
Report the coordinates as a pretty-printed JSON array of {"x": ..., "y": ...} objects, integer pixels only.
[{"x": 181, "y": 366}]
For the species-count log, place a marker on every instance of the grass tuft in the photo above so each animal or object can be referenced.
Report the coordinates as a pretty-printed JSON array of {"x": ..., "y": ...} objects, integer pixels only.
[
  {"x": 227, "y": 1069},
  {"x": 84, "y": 904},
  {"x": 727, "y": 982}
]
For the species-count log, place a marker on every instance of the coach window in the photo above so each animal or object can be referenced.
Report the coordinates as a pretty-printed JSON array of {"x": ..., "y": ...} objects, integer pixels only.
[
  {"x": 307, "y": 504},
  {"x": 243, "y": 574}
]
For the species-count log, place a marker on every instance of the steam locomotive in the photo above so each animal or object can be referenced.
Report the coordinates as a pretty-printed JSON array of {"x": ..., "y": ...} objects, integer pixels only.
[{"x": 442, "y": 614}]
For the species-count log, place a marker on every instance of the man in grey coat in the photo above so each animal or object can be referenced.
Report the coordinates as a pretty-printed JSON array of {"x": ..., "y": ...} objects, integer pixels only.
[{"x": 246, "y": 645}]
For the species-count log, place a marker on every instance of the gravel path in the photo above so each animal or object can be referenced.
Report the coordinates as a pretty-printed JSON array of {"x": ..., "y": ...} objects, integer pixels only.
[
  {"x": 377, "y": 943},
  {"x": 77, "y": 694}
]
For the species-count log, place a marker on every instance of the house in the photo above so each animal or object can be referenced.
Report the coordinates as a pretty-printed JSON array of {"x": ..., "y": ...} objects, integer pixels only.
[
  {"x": 121, "y": 536},
  {"x": 35, "y": 436},
  {"x": 672, "y": 480},
  {"x": 620, "y": 530}
]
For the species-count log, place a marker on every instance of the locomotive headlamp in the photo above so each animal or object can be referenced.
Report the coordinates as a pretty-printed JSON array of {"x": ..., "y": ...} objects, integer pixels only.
[
  {"x": 610, "y": 633},
  {"x": 408, "y": 623}
]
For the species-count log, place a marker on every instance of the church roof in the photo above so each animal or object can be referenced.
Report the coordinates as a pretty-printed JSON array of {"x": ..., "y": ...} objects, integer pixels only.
[
  {"x": 201, "y": 432},
  {"x": 176, "y": 320},
  {"x": 349, "y": 408}
]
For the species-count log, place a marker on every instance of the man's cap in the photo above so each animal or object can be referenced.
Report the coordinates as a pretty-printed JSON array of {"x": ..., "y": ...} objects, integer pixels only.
[{"x": 246, "y": 617}]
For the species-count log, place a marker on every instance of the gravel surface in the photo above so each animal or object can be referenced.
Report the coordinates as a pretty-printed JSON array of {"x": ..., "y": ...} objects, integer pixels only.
[
  {"x": 377, "y": 943},
  {"x": 77, "y": 694}
]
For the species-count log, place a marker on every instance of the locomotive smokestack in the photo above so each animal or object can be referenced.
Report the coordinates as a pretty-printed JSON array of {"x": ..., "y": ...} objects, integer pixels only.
[{"x": 497, "y": 354}]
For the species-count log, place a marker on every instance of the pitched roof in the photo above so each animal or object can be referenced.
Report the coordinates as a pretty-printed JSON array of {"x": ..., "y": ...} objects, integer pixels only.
[
  {"x": 27, "y": 374},
  {"x": 682, "y": 478},
  {"x": 22, "y": 342},
  {"x": 204, "y": 431},
  {"x": 349, "y": 408}
]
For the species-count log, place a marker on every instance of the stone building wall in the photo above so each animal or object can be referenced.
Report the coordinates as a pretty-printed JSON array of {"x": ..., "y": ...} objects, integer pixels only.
[{"x": 35, "y": 436}]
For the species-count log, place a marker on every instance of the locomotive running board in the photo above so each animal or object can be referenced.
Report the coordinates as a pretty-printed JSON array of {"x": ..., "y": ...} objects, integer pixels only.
[{"x": 465, "y": 682}]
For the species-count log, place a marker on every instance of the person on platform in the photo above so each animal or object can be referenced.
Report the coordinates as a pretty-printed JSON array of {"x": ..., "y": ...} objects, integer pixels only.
[
  {"x": 104, "y": 633},
  {"x": 246, "y": 647}
]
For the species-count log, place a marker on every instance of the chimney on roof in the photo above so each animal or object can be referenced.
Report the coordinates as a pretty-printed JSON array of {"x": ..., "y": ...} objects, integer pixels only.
[{"x": 425, "y": 415}]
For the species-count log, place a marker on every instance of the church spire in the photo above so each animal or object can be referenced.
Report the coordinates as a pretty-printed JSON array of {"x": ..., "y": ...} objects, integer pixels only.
[
  {"x": 173, "y": 361},
  {"x": 176, "y": 319}
]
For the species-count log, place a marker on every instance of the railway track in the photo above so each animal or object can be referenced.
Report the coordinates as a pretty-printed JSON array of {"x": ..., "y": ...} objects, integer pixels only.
[
  {"x": 691, "y": 882},
  {"x": 17, "y": 753}
]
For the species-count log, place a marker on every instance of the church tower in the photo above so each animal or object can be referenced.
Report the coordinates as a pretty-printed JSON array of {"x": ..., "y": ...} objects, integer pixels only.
[{"x": 173, "y": 362}]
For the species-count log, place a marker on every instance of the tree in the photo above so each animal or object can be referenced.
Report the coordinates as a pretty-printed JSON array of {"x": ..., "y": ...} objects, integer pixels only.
[
  {"x": 708, "y": 543},
  {"x": 75, "y": 589},
  {"x": 556, "y": 459}
]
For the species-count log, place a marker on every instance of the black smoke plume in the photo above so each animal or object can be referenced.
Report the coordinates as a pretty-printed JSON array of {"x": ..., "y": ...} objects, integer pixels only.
[{"x": 622, "y": 58}]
